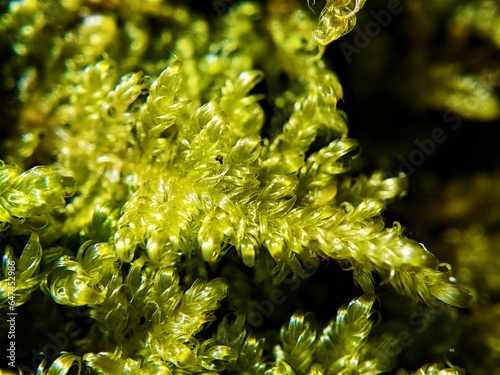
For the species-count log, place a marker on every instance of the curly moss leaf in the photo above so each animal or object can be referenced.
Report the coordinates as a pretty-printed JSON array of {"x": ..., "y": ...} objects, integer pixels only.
[
  {"x": 242, "y": 109},
  {"x": 197, "y": 304},
  {"x": 30, "y": 258},
  {"x": 63, "y": 364},
  {"x": 298, "y": 340},
  {"x": 231, "y": 332},
  {"x": 161, "y": 111},
  {"x": 84, "y": 280},
  {"x": 215, "y": 357},
  {"x": 109, "y": 363},
  {"x": 26, "y": 269},
  {"x": 343, "y": 346},
  {"x": 37, "y": 191},
  {"x": 337, "y": 19}
]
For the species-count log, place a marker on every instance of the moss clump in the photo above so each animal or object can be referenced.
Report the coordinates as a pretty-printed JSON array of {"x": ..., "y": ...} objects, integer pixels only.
[{"x": 169, "y": 171}]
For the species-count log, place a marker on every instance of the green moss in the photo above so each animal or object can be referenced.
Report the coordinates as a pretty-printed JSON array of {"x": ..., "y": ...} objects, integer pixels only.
[{"x": 165, "y": 163}]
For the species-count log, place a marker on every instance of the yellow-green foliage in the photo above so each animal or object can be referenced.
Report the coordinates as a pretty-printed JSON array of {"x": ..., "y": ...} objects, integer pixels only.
[{"x": 148, "y": 121}]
